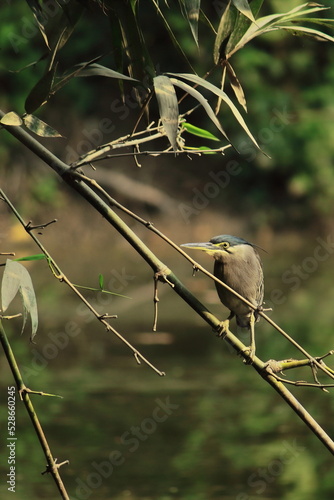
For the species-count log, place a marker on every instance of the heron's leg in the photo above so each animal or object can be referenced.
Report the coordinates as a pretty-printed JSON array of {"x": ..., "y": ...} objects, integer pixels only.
[{"x": 251, "y": 348}]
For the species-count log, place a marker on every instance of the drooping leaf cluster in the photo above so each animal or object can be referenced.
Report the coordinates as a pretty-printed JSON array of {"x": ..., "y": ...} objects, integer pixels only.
[{"x": 237, "y": 25}]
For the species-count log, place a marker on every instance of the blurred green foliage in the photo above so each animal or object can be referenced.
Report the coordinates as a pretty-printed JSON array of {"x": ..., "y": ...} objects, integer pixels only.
[{"x": 283, "y": 76}]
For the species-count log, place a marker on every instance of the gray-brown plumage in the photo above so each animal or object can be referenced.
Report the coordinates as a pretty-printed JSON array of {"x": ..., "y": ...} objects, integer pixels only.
[{"x": 238, "y": 264}]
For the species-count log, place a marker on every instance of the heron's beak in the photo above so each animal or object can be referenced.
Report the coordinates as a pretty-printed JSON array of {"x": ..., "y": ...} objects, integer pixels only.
[{"x": 205, "y": 247}]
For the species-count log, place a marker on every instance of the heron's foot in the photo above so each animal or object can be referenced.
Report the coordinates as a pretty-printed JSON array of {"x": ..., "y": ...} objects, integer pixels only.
[
  {"x": 250, "y": 352},
  {"x": 223, "y": 328}
]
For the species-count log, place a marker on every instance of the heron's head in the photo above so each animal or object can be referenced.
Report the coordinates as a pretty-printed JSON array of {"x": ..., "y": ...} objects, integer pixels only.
[{"x": 223, "y": 246}]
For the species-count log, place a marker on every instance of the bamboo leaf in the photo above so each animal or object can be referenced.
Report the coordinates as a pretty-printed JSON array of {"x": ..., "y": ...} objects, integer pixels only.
[
  {"x": 139, "y": 61},
  {"x": 38, "y": 256},
  {"x": 38, "y": 15},
  {"x": 204, "y": 149},
  {"x": 199, "y": 132},
  {"x": 297, "y": 12},
  {"x": 192, "y": 11},
  {"x": 319, "y": 35},
  {"x": 220, "y": 93},
  {"x": 71, "y": 75},
  {"x": 60, "y": 27},
  {"x": 244, "y": 8},
  {"x": 39, "y": 127},
  {"x": 317, "y": 20},
  {"x": 9, "y": 286},
  {"x": 16, "y": 278},
  {"x": 11, "y": 119},
  {"x": 236, "y": 85},
  {"x": 99, "y": 70},
  {"x": 168, "y": 107},
  {"x": 40, "y": 93},
  {"x": 170, "y": 32},
  {"x": 91, "y": 289},
  {"x": 201, "y": 99},
  {"x": 116, "y": 42},
  {"x": 242, "y": 24},
  {"x": 225, "y": 27},
  {"x": 271, "y": 23}
]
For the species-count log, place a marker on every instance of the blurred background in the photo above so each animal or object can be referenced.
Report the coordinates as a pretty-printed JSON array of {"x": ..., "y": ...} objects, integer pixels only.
[{"x": 211, "y": 428}]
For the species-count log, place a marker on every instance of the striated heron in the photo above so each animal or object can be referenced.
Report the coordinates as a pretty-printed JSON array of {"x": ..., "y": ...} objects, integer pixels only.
[{"x": 238, "y": 264}]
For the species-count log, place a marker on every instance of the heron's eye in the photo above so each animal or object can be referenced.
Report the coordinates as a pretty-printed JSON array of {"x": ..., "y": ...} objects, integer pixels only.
[{"x": 225, "y": 244}]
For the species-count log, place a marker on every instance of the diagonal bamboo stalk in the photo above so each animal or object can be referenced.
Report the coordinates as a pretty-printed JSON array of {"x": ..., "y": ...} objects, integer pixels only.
[
  {"x": 100, "y": 191},
  {"x": 52, "y": 466},
  {"x": 166, "y": 274}
]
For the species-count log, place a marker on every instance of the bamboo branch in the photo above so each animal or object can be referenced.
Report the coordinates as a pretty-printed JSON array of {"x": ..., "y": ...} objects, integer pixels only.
[
  {"x": 52, "y": 466},
  {"x": 196, "y": 266}
]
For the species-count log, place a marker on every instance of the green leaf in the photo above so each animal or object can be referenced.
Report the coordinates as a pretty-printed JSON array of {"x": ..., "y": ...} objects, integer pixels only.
[
  {"x": 317, "y": 20},
  {"x": 201, "y": 99},
  {"x": 270, "y": 23},
  {"x": 10, "y": 284},
  {"x": 38, "y": 256},
  {"x": 226, "y": 24},
  {"x": 16, "y": 278},
  {"x": 40, "y": 93},
  {"x": 40, "y": 19},
  {"x": 192, "y": 12},
  {"x": 236, "y": 85},
  {"x": 205, "y": 149},
  {"x": 39, "y": 127},
  {"x": 11, "y": 119},
  {"x": 60, "y": 27},
  {"x": 200, "y": 132},
  {"x": 220, "y": 93},
  {"x": 244, "y": 8},
  {"x": 170, "y": 32},
  {"x": 242, "y": 24},
  {"x": 308, "y": 32},
  {"x": 134, "y": 46},
  {"x": 91, "y": 289},
  {"x": 116, "y": 42},
  {"x": 98, "y": 70},
  {"x": 168, "y": 107},
  {"x": 57, "y": 86},
  {"x": 232, "y": 27},
  {"x": 101, "y": 281}
]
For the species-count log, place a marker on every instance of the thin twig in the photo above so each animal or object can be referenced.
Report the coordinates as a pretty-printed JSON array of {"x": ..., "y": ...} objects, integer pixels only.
[
  {"x": 188, "y": 152},
  {"x": 58, "y": 274},
  {"x": 303, "y": 383},
  {"x": 30, "y": 227},
  {"x": 155, "y": 301}
]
